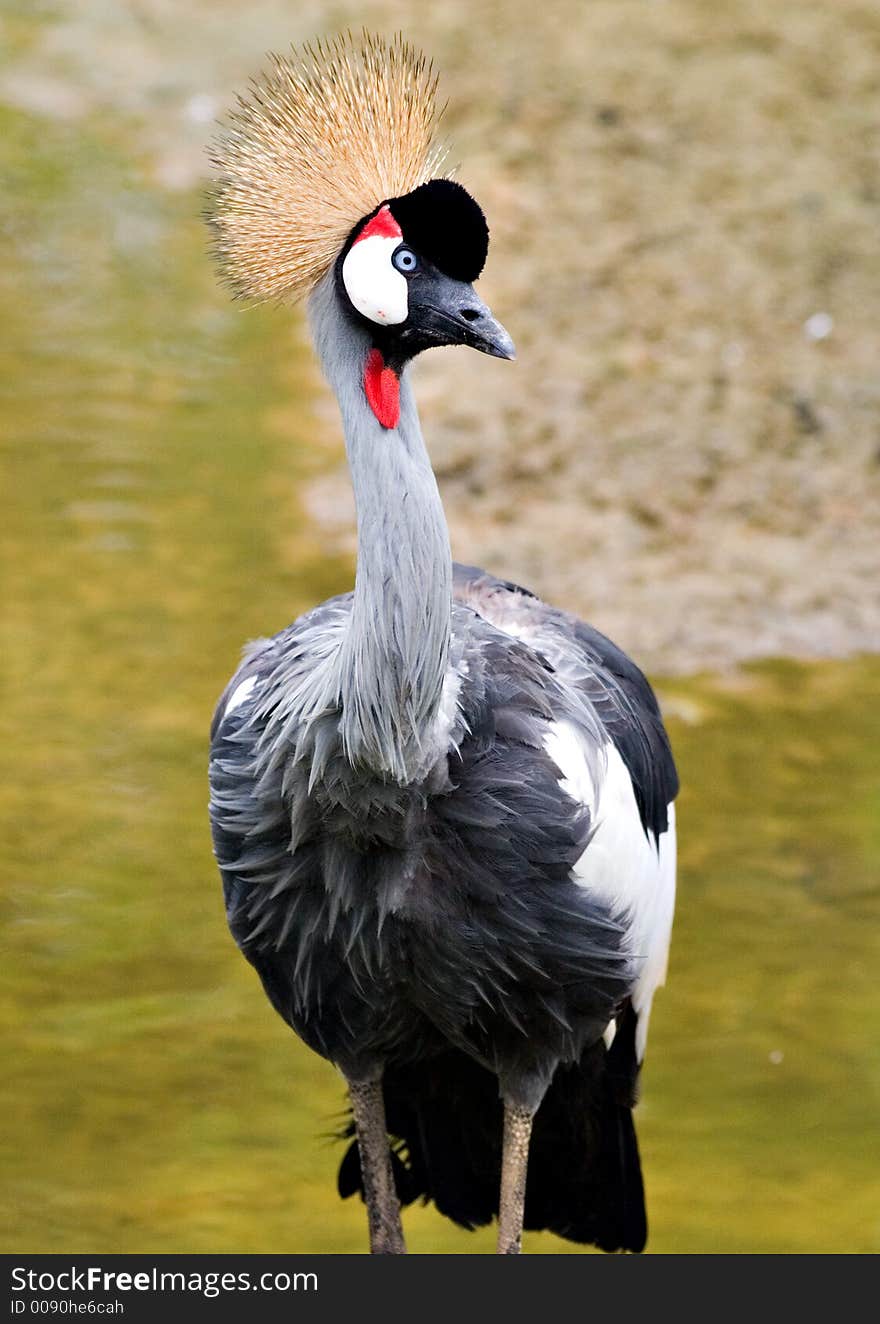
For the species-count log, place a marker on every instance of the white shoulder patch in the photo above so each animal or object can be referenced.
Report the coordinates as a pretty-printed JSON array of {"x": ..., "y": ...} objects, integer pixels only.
[
  {"x": 239, "y": 694},
  {"x": 565, "y": 746},
  {"x": 622, "y": 865}
]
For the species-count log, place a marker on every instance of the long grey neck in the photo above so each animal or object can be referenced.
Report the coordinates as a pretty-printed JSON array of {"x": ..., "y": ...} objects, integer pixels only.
[{"x": 393, "y": 657}]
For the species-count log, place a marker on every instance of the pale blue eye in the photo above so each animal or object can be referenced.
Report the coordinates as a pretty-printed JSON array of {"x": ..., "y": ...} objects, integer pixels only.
[{"x": 405, "y": 259}]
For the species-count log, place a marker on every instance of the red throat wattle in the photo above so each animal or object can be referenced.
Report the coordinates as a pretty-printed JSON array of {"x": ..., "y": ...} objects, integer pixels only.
[{"x": 382, "y": 389}]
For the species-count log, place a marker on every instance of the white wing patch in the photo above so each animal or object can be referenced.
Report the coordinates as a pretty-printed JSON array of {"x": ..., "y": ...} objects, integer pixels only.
[
  {"x": 239, "y": 694},
  {"x": 657, "y": 929},
  {"x": 622, "y": 865}
]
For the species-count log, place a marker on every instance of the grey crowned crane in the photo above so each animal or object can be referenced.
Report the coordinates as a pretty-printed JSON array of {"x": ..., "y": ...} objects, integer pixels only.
[{"x": 442, "y": 809}]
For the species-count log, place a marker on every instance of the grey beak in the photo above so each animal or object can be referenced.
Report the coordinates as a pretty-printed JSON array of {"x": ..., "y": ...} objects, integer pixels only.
[
  {"x": 449, "y": 312},
  {"x": 482, "y": 331}
]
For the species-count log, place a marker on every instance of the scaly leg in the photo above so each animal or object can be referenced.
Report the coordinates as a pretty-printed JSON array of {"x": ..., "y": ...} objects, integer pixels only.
[
  {"x": 383, "y": 1206},
  {"x": 514, "y": 1161}
]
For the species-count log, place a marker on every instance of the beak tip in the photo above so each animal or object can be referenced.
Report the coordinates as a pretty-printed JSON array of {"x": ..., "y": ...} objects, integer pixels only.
[{"x": 503, "y": 347}]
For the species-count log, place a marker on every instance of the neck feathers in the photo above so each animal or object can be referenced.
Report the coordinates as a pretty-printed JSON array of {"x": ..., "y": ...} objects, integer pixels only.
[{"x": 393, "y": 657}]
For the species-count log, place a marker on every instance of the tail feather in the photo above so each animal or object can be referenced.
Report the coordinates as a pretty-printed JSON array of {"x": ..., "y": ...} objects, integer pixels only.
[{"x": 584, "y": 1177}]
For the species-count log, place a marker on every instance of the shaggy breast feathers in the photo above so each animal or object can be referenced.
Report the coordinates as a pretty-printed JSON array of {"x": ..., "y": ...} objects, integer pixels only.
[{"x": 336, "y": 881}]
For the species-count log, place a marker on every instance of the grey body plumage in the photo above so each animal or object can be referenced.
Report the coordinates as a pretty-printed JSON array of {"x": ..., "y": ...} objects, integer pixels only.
[{"x": 386, "y": 915}]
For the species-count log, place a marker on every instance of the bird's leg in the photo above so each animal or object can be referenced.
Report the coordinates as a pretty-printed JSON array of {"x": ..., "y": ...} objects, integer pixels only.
[
  {"x": 383, "y": 1206},
  {"x": 514, "y": 1161}
]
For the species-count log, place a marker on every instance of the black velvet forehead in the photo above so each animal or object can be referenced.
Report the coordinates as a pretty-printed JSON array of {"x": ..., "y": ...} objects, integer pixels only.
[{"x": 444, "y": 224}]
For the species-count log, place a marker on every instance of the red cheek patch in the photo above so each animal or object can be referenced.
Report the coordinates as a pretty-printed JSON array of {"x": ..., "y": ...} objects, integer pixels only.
[{"x": 382, "y": 389}]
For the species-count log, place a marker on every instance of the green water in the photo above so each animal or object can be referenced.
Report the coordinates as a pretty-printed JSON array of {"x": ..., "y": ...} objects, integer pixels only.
[{"x": 154, "y": 439}]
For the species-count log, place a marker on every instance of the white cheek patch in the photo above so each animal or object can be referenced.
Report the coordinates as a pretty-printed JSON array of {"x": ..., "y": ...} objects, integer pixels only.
[{"x": 376, "y": 288}]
